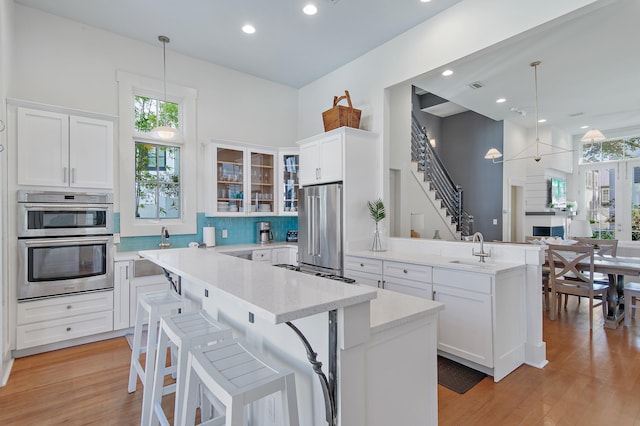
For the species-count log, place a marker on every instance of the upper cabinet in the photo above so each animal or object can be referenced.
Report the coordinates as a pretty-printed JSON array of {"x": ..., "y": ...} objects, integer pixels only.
[
  {"x": 321, "y": 159},
  {"x": 64, "y": 150},
  {"x": 289, "y": 166},
  {"x": 240, "y": 180}
]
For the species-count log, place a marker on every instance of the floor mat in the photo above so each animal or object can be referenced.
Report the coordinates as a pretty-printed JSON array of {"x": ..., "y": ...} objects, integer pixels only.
[{"x": 457, "y": 377}]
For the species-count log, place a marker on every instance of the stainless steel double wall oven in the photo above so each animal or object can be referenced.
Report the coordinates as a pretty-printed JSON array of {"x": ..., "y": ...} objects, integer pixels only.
[{"x": 65, "y": 243}]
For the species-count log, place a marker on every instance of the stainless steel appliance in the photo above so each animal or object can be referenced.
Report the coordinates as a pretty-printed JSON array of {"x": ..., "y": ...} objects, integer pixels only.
[
  {"x": 320, "y": 228},
  {"x": 263, "y": 231},
  {"x": 65, "y": 243}
]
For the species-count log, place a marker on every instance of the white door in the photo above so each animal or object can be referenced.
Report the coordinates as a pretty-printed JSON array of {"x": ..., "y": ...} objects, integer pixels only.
[{"x": 600, "y": 197}]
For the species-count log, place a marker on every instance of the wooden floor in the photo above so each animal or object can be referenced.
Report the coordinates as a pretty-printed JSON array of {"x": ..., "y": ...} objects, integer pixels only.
[{"x": 591, "y": 379}]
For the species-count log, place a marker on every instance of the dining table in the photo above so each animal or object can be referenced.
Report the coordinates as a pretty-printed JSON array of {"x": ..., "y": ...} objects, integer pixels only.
[{"x": 616, "y": 268}]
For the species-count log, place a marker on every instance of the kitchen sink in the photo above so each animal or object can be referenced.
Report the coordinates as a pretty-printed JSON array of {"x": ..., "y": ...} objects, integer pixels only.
[{"x": 474, "y": 263}]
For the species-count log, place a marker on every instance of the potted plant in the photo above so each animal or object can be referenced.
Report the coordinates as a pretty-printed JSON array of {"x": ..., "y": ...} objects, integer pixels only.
[{"x": 377, "y": 213}]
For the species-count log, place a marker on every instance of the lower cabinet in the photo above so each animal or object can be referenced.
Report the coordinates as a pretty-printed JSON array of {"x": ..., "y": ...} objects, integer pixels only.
[
  {"x": 464, "y": 326},
  {"x": 46, "y": 321},
  {"x": 483, "y": 321}
]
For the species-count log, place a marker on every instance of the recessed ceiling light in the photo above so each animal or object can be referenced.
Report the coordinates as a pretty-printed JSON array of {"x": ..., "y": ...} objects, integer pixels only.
[
  {"x": 310, "y": 9},
  {"x": 584, "y": 127},
  {"x": 542, "y": 120},
  {"x": 447, "y": 73},
  {"x": 425, "y": 1},
  {"x": 501, "y": 100},
  {"x": 249, "y": 29}
]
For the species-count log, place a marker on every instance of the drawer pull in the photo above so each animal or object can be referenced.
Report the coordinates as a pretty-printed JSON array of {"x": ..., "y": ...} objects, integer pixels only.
[
  {"x": 362, "y": 265},
  {"x": 405, "y": 271},
  {"x": 68, "y": 306},
  {"x": 68, "y": 328},
  {"x": 433, "y": 295}
]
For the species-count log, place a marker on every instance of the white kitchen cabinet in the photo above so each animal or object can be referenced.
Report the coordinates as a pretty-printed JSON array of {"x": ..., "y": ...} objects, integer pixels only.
[
  {"x": 142, "y": 285},
  {"x": 121, "y": 281},
  {"x": 407, "y": 278},
  {"x": 402, "y": 277},
  {"x": 484, "y": 318},
  {"x": 281, "y": 256},
  {"x": 262, "y": 255},
  {"x": 364, "y": 270},
  {"x": 464, "y": 326},
  {"x": 288, "y": 172},
  {"x": 64, "y": 150},
  {"x": 240, "y": 180},
  {"x": 321, "y": 160},
  {"x": 46, "y": 321}
]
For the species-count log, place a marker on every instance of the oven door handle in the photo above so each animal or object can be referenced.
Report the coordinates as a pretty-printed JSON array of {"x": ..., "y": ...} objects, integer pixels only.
[
  {"x": 66, "y": 207},
  {"x": 83, "y": 241}
]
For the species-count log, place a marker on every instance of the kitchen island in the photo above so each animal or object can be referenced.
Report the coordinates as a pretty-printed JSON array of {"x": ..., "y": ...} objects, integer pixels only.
[{"x": 385, "y": 342}]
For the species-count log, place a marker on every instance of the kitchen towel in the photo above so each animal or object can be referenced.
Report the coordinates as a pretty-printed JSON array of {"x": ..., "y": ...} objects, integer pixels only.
[{"x": 209, "y": 236}]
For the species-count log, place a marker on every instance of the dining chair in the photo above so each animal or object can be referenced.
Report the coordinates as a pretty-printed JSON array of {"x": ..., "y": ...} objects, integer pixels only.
[
  {"x": 571, "y": 273},
  {"x": 602, "y": 248}
]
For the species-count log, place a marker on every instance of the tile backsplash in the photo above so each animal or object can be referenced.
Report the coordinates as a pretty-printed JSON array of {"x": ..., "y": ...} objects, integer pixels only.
[{"x": 240, "y": 230}]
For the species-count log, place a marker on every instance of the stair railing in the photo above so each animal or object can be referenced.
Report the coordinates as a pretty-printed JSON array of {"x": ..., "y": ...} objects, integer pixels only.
[{"x": 434, "y": 172}]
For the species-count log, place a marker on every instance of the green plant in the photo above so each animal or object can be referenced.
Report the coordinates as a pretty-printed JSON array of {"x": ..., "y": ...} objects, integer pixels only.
[{"x": 376, "y": 210}]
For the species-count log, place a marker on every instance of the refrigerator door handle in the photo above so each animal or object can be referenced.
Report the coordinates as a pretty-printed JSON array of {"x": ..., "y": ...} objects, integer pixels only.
[
  {"x": 310, "y": 226},
  {"x": 316, "y": 226}
]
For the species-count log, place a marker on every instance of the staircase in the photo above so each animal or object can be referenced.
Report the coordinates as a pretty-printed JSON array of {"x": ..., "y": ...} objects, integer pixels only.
[{"x": 439, "y": 188}]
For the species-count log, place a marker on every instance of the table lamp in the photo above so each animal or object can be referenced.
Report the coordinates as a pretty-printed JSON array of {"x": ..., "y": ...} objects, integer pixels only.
[{"x": 580, "y": 228}]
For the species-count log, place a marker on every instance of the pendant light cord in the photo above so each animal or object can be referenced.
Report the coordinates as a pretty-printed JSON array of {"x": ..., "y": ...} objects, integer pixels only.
[
  {"x": 535, "y": 79},
  {"x": 164, "y": 40}
]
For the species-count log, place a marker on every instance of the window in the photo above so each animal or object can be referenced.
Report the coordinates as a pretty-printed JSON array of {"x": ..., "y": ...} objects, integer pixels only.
[
  {"x": 157, "y": 186},
  {"x": 156, "y": 189}
]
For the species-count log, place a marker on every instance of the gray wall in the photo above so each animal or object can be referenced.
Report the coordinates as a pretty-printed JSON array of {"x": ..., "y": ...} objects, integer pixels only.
[{"x": 461, "y": 142}]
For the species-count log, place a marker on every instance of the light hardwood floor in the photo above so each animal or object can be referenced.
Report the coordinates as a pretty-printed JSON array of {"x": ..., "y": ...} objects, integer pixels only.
[{"x": 591, "y": 379}]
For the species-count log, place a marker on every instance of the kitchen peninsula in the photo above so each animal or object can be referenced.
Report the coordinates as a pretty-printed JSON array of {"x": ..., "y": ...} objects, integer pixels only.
[{"x": 386, "y": 341}]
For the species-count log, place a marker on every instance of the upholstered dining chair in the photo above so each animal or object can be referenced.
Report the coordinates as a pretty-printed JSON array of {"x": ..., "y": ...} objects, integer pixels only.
[{"x": 571, "y": 273}]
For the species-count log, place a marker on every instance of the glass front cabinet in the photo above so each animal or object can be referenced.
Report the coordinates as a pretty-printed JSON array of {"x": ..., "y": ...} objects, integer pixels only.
[
  {"x": 288, "y": 162},
  {"x": 240, "y": 181}
]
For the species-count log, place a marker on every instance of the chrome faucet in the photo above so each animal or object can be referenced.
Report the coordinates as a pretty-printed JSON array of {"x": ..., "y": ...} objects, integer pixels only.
[
  {"x": 164, "y": 236},
  {"x": 481, "y": 253}
]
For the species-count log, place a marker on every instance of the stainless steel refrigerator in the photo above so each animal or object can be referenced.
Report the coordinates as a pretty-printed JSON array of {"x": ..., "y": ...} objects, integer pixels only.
[{"x": 320, "y": 228}]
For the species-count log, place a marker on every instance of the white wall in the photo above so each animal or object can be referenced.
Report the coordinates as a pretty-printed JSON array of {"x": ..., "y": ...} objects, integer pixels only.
[
  {"x": 61, "y": 62},
  {"x": 451, "y": 35}
]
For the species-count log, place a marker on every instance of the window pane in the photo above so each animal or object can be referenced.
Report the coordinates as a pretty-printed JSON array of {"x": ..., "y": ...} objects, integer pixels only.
[
  {"x": 157, "y": 181},
  {"x": 600, "y": 202},
  {"x": 150, "y": 113}
]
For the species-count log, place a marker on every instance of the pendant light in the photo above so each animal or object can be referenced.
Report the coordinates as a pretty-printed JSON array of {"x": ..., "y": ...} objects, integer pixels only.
[
  {"x": 165, "y": 133},
  {"x": 494, "y": 154}
]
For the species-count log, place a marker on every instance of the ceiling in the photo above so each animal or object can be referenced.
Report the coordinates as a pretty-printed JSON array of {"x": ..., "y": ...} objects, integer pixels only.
[
  {"x": 589, "y": 62},
  {"x": 589, "y": 73},
  {"x": 288, "y": 46}
]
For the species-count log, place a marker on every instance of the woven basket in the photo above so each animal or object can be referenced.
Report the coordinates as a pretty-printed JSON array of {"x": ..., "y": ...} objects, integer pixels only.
[{"x": 340, "y": 115}]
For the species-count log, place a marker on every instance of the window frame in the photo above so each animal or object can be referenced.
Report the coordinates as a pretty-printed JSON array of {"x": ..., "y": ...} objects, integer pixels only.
[{"x": 130, "y": 85}]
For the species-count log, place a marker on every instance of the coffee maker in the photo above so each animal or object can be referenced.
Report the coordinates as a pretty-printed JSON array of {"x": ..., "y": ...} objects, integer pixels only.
[{"x": 263, "y": 231}]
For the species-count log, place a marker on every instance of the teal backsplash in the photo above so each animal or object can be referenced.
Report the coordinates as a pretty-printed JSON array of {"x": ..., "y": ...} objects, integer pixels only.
[{"x": 241, "y": 230}]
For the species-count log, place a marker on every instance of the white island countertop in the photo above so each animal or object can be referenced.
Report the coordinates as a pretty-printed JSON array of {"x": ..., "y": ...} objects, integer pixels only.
[
  {"x": 462, "y": 263},
  {"x": 275, "y": 294}
]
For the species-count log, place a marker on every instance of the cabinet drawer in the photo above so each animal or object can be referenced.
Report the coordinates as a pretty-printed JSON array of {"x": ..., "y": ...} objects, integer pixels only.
[
  {"x": 408, "y": 271},
  {"x": 45, "y": 332},
  {"x": 261, "y": 255},
  {"x": 410, "y": 288},
  {"x": 61, "y": 307},
  {"x": 470, "y": 281},
  {"x": 373, "y": 280},
  {"x": 363, "y": 264}
]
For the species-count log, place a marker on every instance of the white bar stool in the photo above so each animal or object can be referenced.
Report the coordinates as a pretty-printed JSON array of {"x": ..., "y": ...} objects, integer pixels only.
[
  {"x": 236, "y": 376},
  {"x": 631, "y": 292},
  {"x": 185, "y": 331},
  {"x": 155, "y": 304}
]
